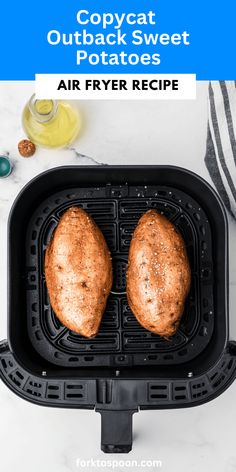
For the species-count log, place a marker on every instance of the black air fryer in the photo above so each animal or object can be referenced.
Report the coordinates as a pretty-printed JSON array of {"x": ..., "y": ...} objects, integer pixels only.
[{"x": 125, "y": 368}]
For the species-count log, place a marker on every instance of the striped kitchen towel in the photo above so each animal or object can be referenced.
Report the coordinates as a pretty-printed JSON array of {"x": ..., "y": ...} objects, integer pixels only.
[{"x": 220, "y": 156}]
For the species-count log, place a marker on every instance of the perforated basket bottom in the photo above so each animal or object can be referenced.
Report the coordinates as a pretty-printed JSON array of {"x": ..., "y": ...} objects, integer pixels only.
[{"x": 121, "y": 340}]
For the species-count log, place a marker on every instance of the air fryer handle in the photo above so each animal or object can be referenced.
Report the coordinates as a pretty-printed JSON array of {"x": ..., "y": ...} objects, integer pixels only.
[{"x": 116, "y": 430}]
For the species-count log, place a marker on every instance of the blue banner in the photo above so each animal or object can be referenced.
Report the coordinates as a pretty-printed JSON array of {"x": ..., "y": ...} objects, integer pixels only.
[{"x": 87, "y": 36}]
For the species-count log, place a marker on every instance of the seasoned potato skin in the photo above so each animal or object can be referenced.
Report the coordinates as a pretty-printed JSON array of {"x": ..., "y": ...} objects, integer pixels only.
[
  {"x": 78, "y": 272},
  {"x": 159, "y": 275}
]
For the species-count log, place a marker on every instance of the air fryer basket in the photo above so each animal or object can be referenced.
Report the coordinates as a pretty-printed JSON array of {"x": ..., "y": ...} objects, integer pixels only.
[{"x": 125, "y": 367}]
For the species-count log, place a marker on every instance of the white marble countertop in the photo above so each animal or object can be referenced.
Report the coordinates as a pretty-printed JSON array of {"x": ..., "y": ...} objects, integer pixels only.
[{"x": 34, "y": 438}]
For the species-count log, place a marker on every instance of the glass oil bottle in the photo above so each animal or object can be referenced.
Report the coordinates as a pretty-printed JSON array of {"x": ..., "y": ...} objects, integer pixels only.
[{"x": 51, "y": 124}]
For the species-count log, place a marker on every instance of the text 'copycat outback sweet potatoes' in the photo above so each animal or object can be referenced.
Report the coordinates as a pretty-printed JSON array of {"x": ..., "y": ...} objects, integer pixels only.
[
  {"x": 158, "y": 276},
  {"x": 78, "y": 272}
]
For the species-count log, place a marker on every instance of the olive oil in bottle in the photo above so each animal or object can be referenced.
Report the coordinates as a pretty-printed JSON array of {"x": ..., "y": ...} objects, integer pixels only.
[{"x": 49, "y": 123}]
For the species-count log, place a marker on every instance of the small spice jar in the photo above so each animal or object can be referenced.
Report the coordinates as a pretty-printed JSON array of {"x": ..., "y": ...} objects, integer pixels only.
[{"x": 5, "y": 167}]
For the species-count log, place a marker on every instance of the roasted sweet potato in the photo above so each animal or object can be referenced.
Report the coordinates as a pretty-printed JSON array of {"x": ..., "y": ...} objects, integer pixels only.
[
  {"x": 78, "y": 272},
  {"x": 158, "y": 276}
]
